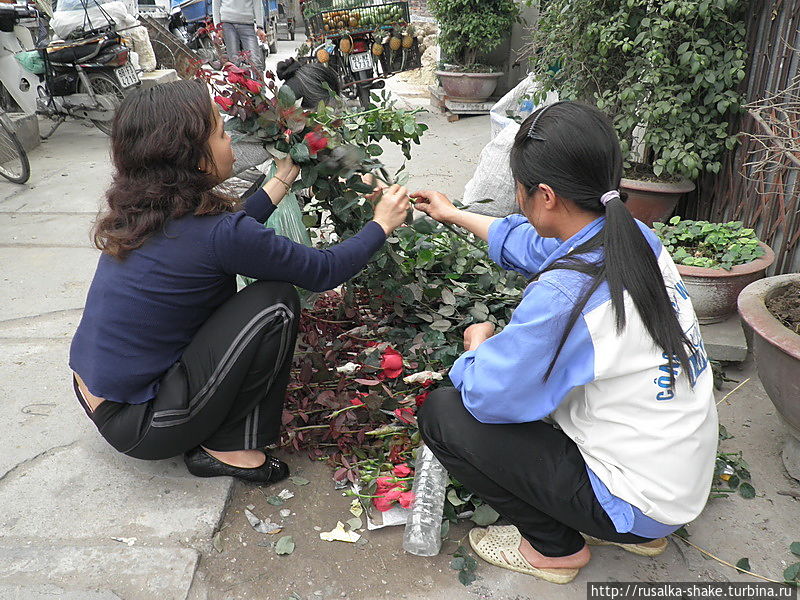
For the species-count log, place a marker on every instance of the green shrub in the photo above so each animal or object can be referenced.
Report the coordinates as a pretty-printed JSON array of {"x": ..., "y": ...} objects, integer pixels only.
[
  {"x": 671, "y": 66},
  {"x": 709, "y": 245},
  {"x": 470, "y": 27}
]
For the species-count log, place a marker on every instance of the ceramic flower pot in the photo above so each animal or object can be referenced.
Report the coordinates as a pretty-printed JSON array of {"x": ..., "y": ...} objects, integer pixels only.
[
  {"x": 651, "y": 201},
  {"x": 714, "y": 291},
  {"x": 468, "y": 87},
  {"x": 776, "y": 350}
]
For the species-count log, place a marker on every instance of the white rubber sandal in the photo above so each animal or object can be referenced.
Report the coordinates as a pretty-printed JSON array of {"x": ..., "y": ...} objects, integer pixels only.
[
  {"x": 497, "y": 548},
  {"x": 632, "y": 548}
]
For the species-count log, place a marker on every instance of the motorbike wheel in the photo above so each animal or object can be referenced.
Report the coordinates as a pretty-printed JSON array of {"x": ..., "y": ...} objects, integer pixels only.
[
  {"x": 14, "y": 164},
  {"x": 103, "y": 83},
  {"x": 363, "y": 96}
]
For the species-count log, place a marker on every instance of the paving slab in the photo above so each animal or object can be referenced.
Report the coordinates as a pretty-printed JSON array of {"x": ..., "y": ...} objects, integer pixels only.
[
  {"x": 50, "y": 494},
  {"x": 725, "y": 341},
  {"x": 51, "y": 592},
  {"x": 45, "y": 229},
  {"x": 108, "y": 572},
  {"x": 38, "y": 280}
]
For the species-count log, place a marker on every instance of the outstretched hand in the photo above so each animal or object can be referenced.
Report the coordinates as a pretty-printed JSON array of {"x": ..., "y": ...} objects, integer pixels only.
[
  {"x": 377, "y": 187},
  {"x": 436, "y": 205},
  {"x": 391, "y": 211}
]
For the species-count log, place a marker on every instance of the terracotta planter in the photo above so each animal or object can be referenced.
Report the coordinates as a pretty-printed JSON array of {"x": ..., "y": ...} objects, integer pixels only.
[
  {"x": 468, "y": 87},
  {"x": 714, "y": 291},
  {"x": 776, "y": 349},
  {"x": 653, "y": 202}
]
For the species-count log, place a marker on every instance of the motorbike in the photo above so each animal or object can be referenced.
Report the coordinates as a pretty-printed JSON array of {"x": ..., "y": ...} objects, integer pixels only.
[
  {"x": 357, "y": 69},
  {"x": 191, "y": 22},
  {"x": 84, "y": 78},
  {"x": 365, "y": 44}
]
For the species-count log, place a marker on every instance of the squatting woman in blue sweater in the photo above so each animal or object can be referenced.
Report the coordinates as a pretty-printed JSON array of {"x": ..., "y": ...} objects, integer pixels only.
[{"x": 168, "y": 357}]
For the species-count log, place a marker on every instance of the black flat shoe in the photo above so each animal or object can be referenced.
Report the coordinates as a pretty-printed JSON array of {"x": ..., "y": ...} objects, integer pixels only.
[{"x": 201, "y": 464}]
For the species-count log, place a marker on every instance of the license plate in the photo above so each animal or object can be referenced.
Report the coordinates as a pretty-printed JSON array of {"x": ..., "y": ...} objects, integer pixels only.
[
  {"x": 126, "y": 75},
  {"x": 361, "y": 61}
]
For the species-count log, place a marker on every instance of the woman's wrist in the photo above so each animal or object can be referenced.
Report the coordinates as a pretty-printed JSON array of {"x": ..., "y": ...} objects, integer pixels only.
[
  {"x": 386, "y": 228},
  {"x": 288, "y": 175}
]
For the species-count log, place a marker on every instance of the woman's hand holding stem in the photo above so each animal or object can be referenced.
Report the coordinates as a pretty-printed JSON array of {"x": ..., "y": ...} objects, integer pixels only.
[{"x": 286, "y": 172}]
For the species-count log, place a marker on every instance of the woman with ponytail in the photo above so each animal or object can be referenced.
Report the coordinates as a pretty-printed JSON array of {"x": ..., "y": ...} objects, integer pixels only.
[{"x": 590, "y": 417}]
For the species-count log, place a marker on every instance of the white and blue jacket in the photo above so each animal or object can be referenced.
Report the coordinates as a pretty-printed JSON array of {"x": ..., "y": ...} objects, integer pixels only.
[{"x": 649, "y": 450}]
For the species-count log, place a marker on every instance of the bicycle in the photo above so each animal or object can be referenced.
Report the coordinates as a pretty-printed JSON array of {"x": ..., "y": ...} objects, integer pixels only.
[{"x": 14, "y": 164}]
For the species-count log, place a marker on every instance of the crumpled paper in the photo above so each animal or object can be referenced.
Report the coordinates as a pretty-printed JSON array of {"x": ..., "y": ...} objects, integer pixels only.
[
  {"x": 338, "y": 534},
  {"x": 423, "y": 376},
  {"x": 265, "y": 526}
]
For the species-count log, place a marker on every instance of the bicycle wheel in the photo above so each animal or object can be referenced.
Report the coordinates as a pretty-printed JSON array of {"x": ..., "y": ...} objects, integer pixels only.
[{"x": 14, "y": 164}]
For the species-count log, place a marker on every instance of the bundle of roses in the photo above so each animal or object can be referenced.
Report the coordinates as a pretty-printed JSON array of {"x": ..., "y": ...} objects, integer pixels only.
[{"x": 332, "y": 144}]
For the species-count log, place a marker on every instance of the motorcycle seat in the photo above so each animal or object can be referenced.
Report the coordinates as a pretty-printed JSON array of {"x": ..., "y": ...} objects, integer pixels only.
[{"x": 72, "y": 52}]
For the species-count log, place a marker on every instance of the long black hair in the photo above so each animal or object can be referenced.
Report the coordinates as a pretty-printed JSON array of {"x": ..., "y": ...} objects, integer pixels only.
[
  {"x": 573, "y": 148},
  {"x": 313, "y": 82}
]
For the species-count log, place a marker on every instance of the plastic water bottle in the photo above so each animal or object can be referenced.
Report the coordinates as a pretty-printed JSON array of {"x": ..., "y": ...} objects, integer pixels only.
[{"x": 423, "y": 534}]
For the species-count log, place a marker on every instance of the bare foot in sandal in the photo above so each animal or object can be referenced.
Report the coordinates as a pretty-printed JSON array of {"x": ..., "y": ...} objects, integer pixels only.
[{"x": 537, "y": 559}]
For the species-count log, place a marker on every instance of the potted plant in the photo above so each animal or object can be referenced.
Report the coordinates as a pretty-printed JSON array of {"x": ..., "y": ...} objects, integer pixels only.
[
  {"x": 770, "y": 311},
  {"x": 468, "y": 29},
  {"x": 667, "y": 73},
  {"x": 716, "y": 262}
]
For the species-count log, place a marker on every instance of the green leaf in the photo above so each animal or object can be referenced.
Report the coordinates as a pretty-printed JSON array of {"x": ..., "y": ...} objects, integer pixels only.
[
  {"x": 795, "y": 548},
  {"x": 374, "y": 150},
  {"x": 299, "y": 480},
  {"x": 791, "y": 572},
  {"x": 747, "y": 491},
  {"x": 286, "y": 97},
  {"x": 299, "y": 152},
  {"x": 452, "y": 496},
  {"x": 441, "y": 325},
  {"x": 743, "y": 564},
  {"x": 457, "y": 563},
  {"x": 466, "y": 577},
  {"x": 484, "y": 515},
  {"x": 308, "y": 176},
  {"x": 275, "y": 500},
  {"x": 285, "y": 545}
]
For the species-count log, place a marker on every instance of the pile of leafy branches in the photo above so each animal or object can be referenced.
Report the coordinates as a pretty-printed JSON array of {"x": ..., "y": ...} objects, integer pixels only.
[{"x": 369, "y": 354}]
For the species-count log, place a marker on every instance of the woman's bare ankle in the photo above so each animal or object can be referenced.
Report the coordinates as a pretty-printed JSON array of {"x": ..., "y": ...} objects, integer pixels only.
[
  {"x": 537, "y": 559},
  {"x": 246, "y": 459}
]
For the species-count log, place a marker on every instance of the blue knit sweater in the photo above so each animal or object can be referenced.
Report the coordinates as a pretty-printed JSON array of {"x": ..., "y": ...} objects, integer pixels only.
[{"x": 141, "y": 312}]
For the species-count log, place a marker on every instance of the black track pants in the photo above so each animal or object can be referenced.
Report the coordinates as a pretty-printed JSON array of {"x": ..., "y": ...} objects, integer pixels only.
[
  {"x": 531, "y": 473},
  {"x": 227, "y": 390}
]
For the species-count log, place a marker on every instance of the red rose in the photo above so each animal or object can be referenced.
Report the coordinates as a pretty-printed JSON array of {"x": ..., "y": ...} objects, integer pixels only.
[
  {"x": 224, "y": 102},
  {"x": 392, "y": 363},
  {"x": 253, "y": 85},
  {"x": 315, "y": 142},
  {"x": 406, "y": 499},
  {"x": 385, "y": 483},
  {"x": 235, "y": 78},
  {"x": 401, "y": 470},
  {"x": 420, "y": 399},
  {"x": 393, "y": 494},
  {"x": 406, "y": 415},
  {"x": 382, "y": 504}
]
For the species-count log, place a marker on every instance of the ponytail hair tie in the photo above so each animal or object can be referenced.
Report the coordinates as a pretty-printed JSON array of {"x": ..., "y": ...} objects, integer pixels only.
[{"x": 610, "y": 195}]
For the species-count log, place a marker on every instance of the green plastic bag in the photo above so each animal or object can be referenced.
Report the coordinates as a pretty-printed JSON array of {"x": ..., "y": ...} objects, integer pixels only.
[
  {"x": 287, "y": 221},
  {"x": 31, "y": 61}
]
